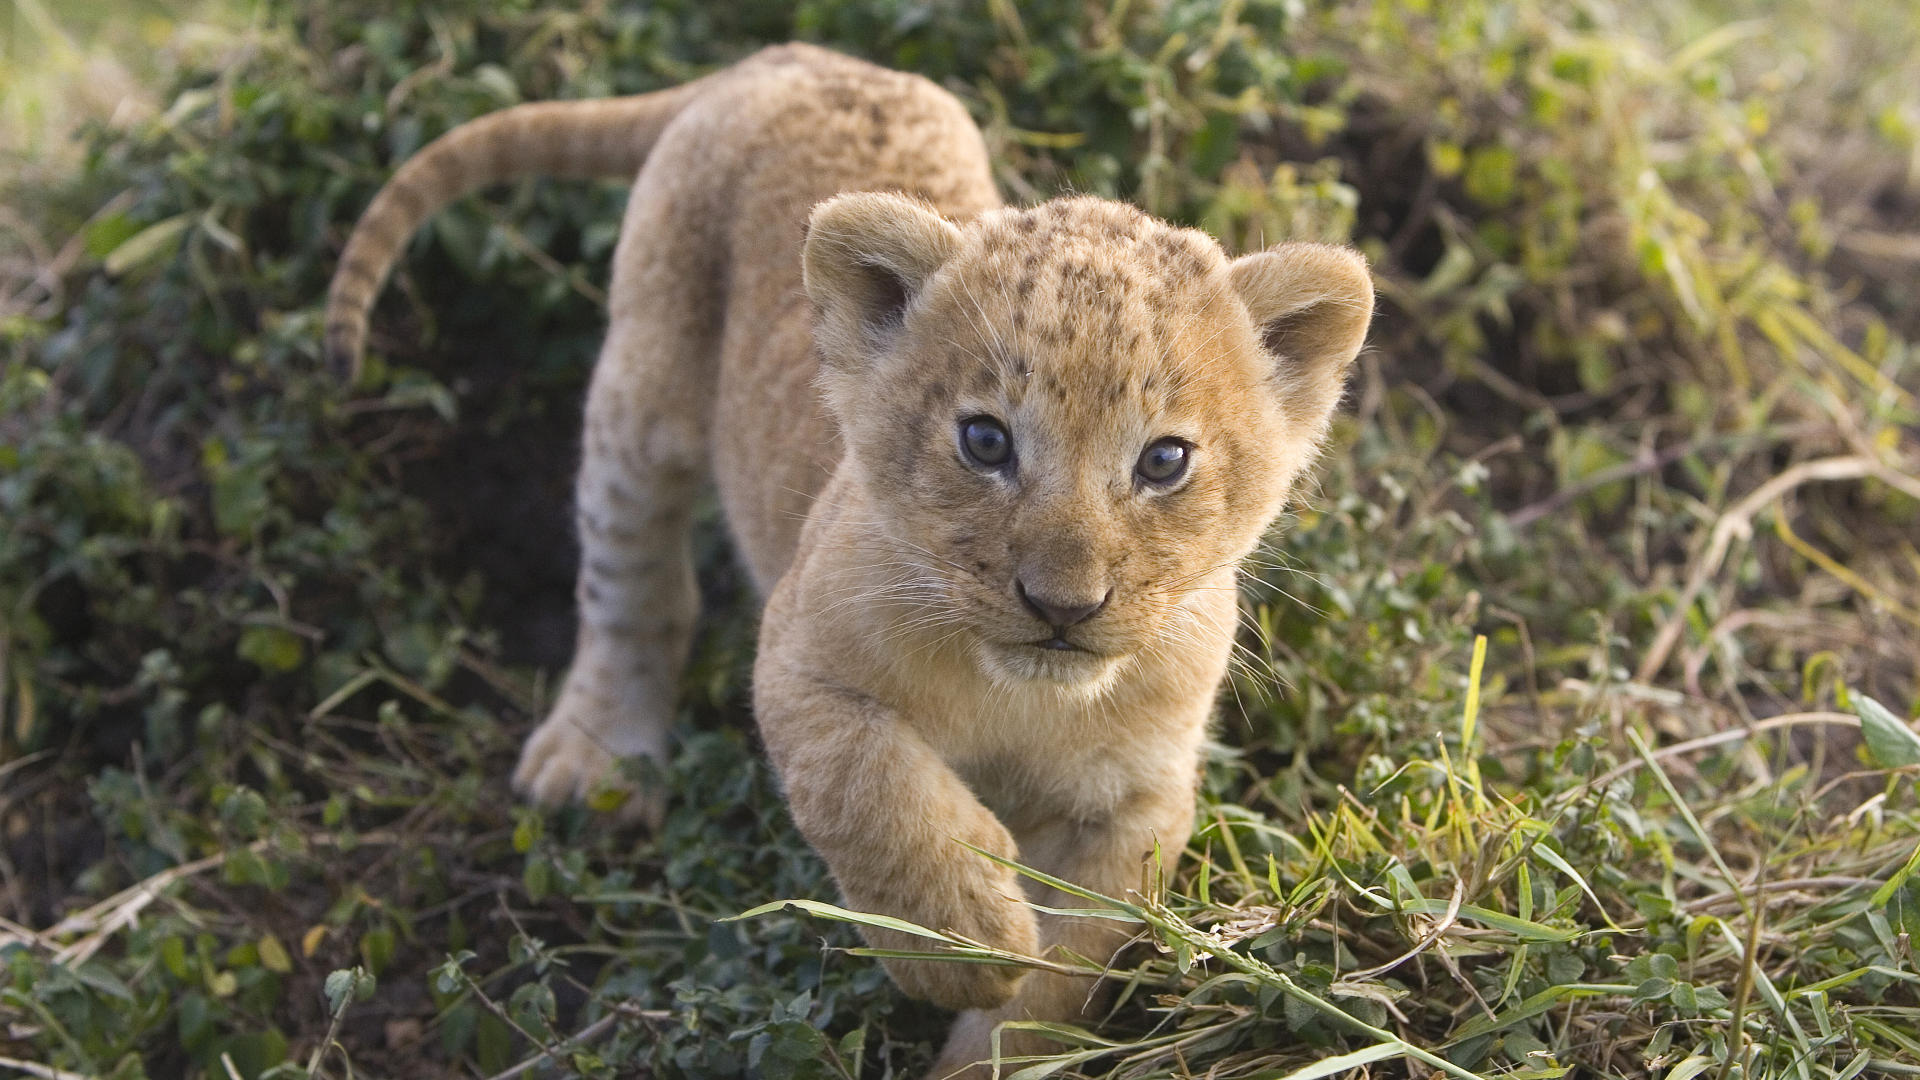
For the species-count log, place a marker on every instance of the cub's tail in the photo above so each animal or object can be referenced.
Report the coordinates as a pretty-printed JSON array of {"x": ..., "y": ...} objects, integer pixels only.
[{"x": 608, "y": 137}]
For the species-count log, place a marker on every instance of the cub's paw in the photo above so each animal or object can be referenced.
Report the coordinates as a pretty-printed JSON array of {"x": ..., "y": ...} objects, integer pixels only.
[
  {"x": 990, "y": 913},
  {"x": 570, "y": 758},
  {"x": 958, "y": 985},
  {"x": 968, "y": 1053}
]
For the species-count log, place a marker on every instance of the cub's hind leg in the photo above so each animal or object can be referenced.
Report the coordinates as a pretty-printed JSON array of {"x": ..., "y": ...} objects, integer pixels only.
[{"x": 643, "y": 464}]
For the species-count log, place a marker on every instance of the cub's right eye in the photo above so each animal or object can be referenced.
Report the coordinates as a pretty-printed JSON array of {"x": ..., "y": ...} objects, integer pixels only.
[{"x": 985, "y": 442}]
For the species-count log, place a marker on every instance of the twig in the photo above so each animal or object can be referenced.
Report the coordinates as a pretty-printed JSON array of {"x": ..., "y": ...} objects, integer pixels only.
[
  {"x": 103, "y": 920},
  {"x": 582, "y": 1037},
  {"x": 1439, "y": 929},
  {"x": 1899, "y": 246},
  {"x": 22, "y": 762},
  {"x": 106, "y": 918},
  {"x": 1721, "y": 899},
  {"x": 1720, "y": 738},
  {"x": 1737, "y": 523},
  {"x": 527, "y": 249},
  {"x": 333, "y": 1027},
  {"x": 44, "y": 1072},
  {"x": 1743, "y": 987},
  {"x": 1626, "y": 470}
]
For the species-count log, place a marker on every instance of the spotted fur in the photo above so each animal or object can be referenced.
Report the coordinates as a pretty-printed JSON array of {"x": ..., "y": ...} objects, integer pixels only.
[{"x": 815, "y": 354}]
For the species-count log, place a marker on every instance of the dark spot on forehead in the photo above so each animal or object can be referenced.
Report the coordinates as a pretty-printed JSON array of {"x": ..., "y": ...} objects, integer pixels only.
[
  {"x": 842, "y": 96},
  {"x": 1179, "y": 264}
]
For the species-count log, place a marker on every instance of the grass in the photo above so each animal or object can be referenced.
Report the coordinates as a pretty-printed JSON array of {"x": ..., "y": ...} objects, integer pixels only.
[{"x": 1572, "y": 730}]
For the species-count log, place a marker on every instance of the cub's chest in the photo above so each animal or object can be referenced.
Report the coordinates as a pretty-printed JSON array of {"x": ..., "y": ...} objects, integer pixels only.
[
  {"x": 1062, "y": 765},
  {"x": 1032, "y": 790},
  {"x": 1037, "y": 753}
]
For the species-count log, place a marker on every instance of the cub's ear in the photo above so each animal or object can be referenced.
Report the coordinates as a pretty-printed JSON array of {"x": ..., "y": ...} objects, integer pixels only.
[
  {"x": 1310, "y": 304},
  {"x": 867, "y": 257}
]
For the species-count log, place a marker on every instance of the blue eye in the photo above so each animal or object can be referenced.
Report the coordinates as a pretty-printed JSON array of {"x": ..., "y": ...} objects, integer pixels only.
[
  {"x": 1163, "y": 462},
  {"x": 985, "y": 441}
]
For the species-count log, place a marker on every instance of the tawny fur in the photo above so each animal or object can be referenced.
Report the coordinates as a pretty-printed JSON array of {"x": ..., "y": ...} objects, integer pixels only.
[{"x": 814, "y": 353}]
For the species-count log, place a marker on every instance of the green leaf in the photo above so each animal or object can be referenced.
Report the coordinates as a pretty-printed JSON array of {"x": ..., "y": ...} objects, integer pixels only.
[
  {"x": 959, "y": 954},
  {"x": 853, "y": 1049},
  {"x": 1691, "y": 1067},
  {"x": 100, "y": 978},
  {"x": 149, "y": 245},
  {"x": 173, "y": 953},
  {"x": 537, "y": 878},
  {"x": 1890, "y": 743},
  {"x": 251, "y": 1052},
  {"x": 1533, "y": 1006},
  {"x": 109, "y": 233},
  {"x": 273, "y": 955},
  {"x": 376, "y": 948},
  {"x": 1343, "y": 1062},
  {"x": 840, "y": 914},
  {"x": 1489, "y": 176},
  {"x": 1899, "y": 879},
  {"x": 1518, "y": 927},
  {"x": 347, "y": 985}
]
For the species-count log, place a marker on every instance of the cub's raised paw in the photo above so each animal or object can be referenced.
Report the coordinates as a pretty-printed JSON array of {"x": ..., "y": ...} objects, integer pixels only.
[
  {"x": 987, "y": 911},
  {"x": 957, "y": 984},
  {"x": 569, "y": 759}
]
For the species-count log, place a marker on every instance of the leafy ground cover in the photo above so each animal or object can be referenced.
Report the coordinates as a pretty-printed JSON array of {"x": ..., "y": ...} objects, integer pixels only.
[{"x": 1573, "y": 727}]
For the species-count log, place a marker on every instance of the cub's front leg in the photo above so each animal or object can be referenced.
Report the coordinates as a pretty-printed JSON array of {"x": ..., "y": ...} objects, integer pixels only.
[
  {"x": 1111, "y": 857},
  {"x": 886, "y": 813}
]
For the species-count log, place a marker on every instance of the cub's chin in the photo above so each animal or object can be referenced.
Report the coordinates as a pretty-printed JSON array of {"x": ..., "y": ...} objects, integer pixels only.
[{"x": 1076, "y": 672}]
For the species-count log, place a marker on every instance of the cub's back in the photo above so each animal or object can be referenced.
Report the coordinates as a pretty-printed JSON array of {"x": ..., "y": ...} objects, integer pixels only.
[{"x": 741, "y": 167}]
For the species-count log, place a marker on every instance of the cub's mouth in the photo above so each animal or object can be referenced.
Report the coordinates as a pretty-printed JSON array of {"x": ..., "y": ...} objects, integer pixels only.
[{"x": 1057, "y": 661}]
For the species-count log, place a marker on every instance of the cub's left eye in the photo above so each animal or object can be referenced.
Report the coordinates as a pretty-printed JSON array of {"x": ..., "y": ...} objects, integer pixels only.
[
  {"x": 986, "y": 441},
  {"x": 1163, "y": 462}
]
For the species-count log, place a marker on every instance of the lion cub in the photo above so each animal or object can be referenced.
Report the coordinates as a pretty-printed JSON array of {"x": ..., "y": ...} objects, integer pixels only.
[{"x": 993, "y": 468}]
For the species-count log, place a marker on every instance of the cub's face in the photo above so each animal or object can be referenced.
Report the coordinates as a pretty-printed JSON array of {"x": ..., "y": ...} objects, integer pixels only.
[{"x": 1073, "y": 419}]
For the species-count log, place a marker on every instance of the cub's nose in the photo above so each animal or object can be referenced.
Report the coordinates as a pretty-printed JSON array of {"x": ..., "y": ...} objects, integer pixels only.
[{"x": 1057, "y": 612}]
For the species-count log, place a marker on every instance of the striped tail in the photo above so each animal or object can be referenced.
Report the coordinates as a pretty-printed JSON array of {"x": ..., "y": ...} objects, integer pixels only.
[{"x": 608, "y": 137}]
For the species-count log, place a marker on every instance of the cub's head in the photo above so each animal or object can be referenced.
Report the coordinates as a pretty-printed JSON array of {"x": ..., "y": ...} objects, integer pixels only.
[{"x": 1073, "y": 418}]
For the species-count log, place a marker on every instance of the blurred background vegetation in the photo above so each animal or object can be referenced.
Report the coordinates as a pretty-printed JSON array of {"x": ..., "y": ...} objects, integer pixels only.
[{"x": 1639, "y": 411}]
